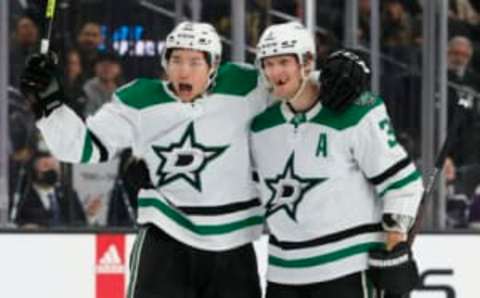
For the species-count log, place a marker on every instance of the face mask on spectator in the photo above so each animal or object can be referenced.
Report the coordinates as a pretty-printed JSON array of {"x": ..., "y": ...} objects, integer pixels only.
[{"x": 49, "y": 177}]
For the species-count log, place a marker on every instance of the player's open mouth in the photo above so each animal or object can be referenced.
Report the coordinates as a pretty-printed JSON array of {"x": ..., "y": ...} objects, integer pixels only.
[
  {"x": 185, "y": 90},
  {"x": 281, "y": 82},
  {"x": 183, "y": 87}
]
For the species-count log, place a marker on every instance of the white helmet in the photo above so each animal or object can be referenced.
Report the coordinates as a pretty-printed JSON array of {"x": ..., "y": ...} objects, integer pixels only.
[
  {"x": 287, "y": 38},
  {"x": 195, "y": 36}
]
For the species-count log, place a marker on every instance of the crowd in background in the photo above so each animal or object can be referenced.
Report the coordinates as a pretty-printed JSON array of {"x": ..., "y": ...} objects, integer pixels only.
[{"x": 43, "y": 193}]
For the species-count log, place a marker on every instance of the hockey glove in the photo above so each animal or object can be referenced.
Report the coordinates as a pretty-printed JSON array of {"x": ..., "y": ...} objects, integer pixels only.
[
  {"x": 394, "y": 271},
  {"x": 135, "y": 173},
  {"x": 344, "y": 77},
  {"x": 40, "y": 83}
]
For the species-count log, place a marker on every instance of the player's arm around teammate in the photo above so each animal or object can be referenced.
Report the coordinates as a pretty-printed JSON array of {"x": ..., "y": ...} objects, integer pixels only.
[
  {"x": 334, "y": 180},
  {"x": 197, "y": 213}
]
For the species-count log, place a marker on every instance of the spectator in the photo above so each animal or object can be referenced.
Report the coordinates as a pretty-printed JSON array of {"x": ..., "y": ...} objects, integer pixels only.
[
  {"x": 74, "y": 76},
  {"x": 460, "y": 52},
  {"x": 100, "y": 88},
  {"x": 21, "y": 136},
  {"x": 45, "y": 203},
  {"x": 463, "y": 18},
  {"x": 74, "y": 80},
  {"x": 396, "y": 24},
  {"x": 88, "y": 40},
  {"x": 462, "y": 10},
  {"x": 449, "y": 171},
  {"x": 25, "y": 42}
]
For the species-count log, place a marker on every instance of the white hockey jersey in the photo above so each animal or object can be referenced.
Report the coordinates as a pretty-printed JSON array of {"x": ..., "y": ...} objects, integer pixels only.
[
  {"x": 326, "y": 179},
  {"x": 197, "y": 154}
]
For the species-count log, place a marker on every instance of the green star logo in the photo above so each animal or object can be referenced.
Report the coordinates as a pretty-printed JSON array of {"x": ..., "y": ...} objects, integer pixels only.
[
  {"x": 288, "y": 190},
  {"x": 185, "y": 160}
]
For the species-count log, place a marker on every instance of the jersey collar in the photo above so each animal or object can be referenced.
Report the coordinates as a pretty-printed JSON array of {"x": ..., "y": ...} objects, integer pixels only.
[{"x": 289, "y": 115}]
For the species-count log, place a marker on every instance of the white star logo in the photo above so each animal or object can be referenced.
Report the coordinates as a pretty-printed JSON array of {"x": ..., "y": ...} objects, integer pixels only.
[
  {"x": 185, "y": 159},
  {"x": 288, "y": 190}
]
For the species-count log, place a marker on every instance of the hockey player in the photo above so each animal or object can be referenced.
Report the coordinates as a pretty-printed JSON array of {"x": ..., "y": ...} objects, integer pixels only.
[
  {"x": 336, "y": 185},
  {"x": 200, "y": 211}
]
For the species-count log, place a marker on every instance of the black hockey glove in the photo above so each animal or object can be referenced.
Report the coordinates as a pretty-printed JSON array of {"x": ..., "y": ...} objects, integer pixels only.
[
  {"x": 344, "y": 77},
  {"x": 393, "y": 271},
  {"x": 40, "y": 83},
  {"x": 135, "y": 174}
]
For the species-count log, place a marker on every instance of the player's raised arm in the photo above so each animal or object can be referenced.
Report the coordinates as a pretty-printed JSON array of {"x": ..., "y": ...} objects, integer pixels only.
[{"x": 67, "y": 136}]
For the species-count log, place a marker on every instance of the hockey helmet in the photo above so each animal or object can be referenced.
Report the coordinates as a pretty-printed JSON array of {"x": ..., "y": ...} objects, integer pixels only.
[
  {"x": 288, "y": 38},
  {"x": 195, "y": 36}
]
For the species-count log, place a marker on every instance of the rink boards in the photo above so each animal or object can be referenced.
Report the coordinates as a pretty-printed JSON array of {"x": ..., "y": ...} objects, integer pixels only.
[{"x": 96, "y": 265}]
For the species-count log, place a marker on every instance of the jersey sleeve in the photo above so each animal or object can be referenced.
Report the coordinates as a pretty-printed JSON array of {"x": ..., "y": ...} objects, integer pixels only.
[
  {"x": 98, "y": 139},
  {"x": 386, "y": 164},
  {"x": 259, "y": 99}
]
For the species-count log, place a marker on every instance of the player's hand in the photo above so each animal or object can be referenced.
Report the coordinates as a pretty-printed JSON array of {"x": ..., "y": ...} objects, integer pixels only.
[
  {"x": 40, "y": 83},
  {"x": 394, "y": 238},
  {"x": 344, "y": 77}
]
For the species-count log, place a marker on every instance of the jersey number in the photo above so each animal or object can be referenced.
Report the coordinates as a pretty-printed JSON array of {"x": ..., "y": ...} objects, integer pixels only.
[
  {"x": 322, "y": 145},
  {"x": 386, "y": 126}
]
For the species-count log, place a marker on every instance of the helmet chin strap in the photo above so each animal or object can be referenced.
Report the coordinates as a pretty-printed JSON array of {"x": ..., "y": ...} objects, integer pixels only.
[
  {"x": 212, "y": 74},
  {"x": 300, "y": 89},
  {"x": 210, "y": 82}
]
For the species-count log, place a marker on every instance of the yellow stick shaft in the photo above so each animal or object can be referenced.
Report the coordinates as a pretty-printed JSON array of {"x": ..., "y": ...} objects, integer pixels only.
[{"x": 50, "y": 9}]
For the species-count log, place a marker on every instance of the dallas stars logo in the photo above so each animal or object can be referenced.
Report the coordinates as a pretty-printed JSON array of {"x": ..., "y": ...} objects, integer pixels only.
[
  {"x": 185, "y": 159},
  {"x": 288, "y": 190}
]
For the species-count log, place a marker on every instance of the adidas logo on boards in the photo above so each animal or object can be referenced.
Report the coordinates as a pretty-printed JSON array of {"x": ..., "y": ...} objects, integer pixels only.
[{"x": 110, "y": 262}]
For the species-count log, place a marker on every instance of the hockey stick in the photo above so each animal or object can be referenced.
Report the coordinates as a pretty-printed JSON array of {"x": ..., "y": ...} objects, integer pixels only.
[
  {"x": 49, "y": 13},
  {"x": 465, "y": 103}
]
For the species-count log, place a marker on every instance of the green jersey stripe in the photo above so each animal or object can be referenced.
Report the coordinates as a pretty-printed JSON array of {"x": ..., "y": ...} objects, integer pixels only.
[
  {"x": 270, "y": 118},
  {"x": 350, "y": 117},
  {"x": 199, "y": 229},
  {"x": 273, "y": 116},
  {"x": 325, "y": 258},
  {"x": 234, "y": 79},
  {"x": 87, "y": 148},
  {"x": 144, "y": 93},
  {"x": 415, "y": 175}
]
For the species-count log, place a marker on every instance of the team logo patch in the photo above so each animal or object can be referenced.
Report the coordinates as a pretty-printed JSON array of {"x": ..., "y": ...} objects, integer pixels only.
[
  {"x": 185, "y": 160},
  {"x": 366, "y": 99},
  {"x": 288, "y": 190}
]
